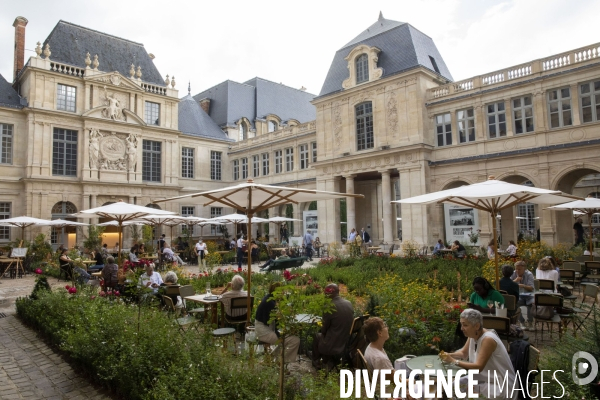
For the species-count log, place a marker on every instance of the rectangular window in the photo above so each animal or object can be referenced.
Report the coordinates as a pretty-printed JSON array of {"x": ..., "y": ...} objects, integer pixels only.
[
  {"x": 151, "y": 161},
  {"x": 187, "y": 211},
  {"x": 65, "y": 97},
  {"x": 187, "y": 162},
  {"x": 215, "y": 165},
  {"x": 523, "y": 114},
  {"x": 559, "y": 104},
  {"x": 590, "y": 101},
  {"x": 364, "y": 126},
  {"x": 64, "y": 152},
  {"x": 152, "y": 113},
  {"x": 289, "y": 159},
  {"x": 496, "y": 114},
  {"x": 465, "y": 120},
  {"x": 215, "y": 212},
  {"x": 314, "y": 151},
  {"x": 244, "y": 168},
  {"x": 4, "y": 214},
  {"x": 265, "y": 164},
  {"x": 278, "y": 161},
  {"x": 236, "y": 170},
  {"x": 303, "y": 156},
  {"x": 255, "y": 166},
  {"x": 6, "y": 143},
  {"x": 527, "y": 219},
  {"x": 443, "y": 126}
]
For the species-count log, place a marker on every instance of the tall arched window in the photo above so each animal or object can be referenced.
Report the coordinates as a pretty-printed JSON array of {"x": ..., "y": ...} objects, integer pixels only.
[
  {"x": 243, "y": 131},
  {"x": 63, "y": 210},
  {"x": 364, "y": 126},
  {"x": 362, "y": 68}
]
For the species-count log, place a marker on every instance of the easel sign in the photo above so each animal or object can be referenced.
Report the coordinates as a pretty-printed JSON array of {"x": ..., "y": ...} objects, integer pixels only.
[{"x": 19, "y": 252}]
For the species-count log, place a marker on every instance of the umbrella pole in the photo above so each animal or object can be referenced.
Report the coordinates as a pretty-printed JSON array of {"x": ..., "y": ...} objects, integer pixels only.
[
  {"x": 120, "y": 241},
  {"x": 249, "y": 247},
  {"x": 495, "y": 249},
  {"x": 590, "y": 215}
]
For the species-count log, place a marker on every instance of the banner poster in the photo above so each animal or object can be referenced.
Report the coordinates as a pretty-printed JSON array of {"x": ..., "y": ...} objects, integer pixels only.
[
  {"x": 460, "y": 222},
  {"x": 311, "y": 223}
]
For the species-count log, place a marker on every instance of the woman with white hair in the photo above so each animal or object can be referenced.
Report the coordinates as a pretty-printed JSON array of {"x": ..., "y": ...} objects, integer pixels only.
[
  {"x": 234, "y": 289},
  {"x": 171, "y": 280},
  {"x": 485, "y": 352}
]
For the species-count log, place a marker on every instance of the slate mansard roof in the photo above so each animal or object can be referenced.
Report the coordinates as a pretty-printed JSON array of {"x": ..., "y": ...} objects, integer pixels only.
[
  {"x": 69, "y": 44},
  {"x": 402, "y": 46},
  {"x": 194, "y": 121},
  {"x": 255, "y": 99},
  {"x": 8, "y": 96}
]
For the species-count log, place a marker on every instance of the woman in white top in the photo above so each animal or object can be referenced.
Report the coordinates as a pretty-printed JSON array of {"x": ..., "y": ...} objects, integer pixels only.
[
  {"x": 491, "y": 250},
  {"x": 511, "y": 250},
  {"x": 485, "y": 352},
  {"x": 546, "y": 270},
  {"x": 201, "y": 251}
]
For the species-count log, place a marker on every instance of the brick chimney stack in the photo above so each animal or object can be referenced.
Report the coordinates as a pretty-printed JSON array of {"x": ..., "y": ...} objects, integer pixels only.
[{"x": 19, "y": 24}]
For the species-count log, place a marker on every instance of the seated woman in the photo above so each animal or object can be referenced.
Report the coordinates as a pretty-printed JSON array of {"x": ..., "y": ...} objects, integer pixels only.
[
  {"x": 458, "y": 249},
  {"x": 170, "y": 256},
  {"x": 141, "y": 249},
  {"x": 171, "y": 281},
  {"x": 511, "y": 250},
  {"x": 485, "y": 352},
  {"x": 133, "y": 255},
  {"x": 483, "y": 292},
  {"x": 546, "y": 270},
  {"x": 268, "y": 333},
  {"x": 491, "y": 250},
  {"x": 110, "y": 274},
  {"x": 66, "y": 264}
]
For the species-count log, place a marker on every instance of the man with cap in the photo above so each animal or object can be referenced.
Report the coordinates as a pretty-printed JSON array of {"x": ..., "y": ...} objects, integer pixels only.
[
  {"x": 201, "y": 252},
  {"x": 331, "y": 341}
]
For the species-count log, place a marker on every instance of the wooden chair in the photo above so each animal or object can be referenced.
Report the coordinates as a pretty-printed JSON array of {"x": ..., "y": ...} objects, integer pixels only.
[
  {"x": 514, "y": 312},
  {"x": 499, "y": 324},
  {"x": 548, "y": 300},
  {"x": 182, "y": 322},
  {"x": 546, "y": 284},
  {"x": 238, "y": 303},
  {"x": 582, "y": 259},
  {"x": 592, "y": 269},
  {"x": 357, "y": 340},
  {"x": 584, "y": 308},
  {"x": 575, "y": 266},
  {"x": 568, "y": 276},
  {"x": 533, "y": 367},
  {"x": 363, "y": 364}
]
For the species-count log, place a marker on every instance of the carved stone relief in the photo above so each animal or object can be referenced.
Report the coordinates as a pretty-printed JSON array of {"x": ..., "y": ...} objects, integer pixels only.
[
  {"x": 113, "y": 107},
  {"x": 392, "y": 113},
  {"x": 337, "y": 124},
  {"x": 116, "y": 152},
  {"x": 95, "y": 137}
]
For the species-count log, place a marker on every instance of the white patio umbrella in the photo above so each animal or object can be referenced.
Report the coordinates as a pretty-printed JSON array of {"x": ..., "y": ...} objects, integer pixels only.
[
  {"x": 62, "y": 223},
  {"x": 116, "y": 223},
  {"x": 199, "y": 221},
  {"x": 252, "y": 198},
  {"x": 588, "y": 206},
  {"x": 491, "y": 196},
  {"x": 23, "y": 222},
  {"x": 121, "y": 212}
]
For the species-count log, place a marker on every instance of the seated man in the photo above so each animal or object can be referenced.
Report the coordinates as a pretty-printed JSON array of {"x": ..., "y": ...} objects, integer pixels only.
[
  {"x": 438, "y": 246},
  {"x": 332, "y": 339},
  {"x": 170, "y": 256},
  {"x": 507, "y": 284},
  {"x": 283, "y": 256},
  {"x": 268, "y": 333},
  {"x": 150, "y": 279},
  {"x": 110, "y": 273},
  {"x": 234, "y": 289}
]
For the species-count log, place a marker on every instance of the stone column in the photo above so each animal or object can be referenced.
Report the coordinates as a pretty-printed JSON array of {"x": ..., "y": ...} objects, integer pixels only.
[
  {"x": 386, "y": 197},
  {"x": 329, "y": 211},
  {"x": 297, "y": 224},
  {"x": 350, "y": 204}
]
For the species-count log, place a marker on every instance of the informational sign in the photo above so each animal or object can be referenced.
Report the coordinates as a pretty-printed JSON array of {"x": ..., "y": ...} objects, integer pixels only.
[
  {"x": 311, "y": 222},
  {"x": 460, "y": 222},
  {"x": 19, "y": 252}
]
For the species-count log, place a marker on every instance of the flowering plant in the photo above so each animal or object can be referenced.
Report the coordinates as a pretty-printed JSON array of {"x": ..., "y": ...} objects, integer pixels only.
[{"x": 474, "y": 236}]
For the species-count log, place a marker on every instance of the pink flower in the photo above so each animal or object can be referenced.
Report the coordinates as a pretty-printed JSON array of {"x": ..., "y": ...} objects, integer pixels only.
[
  {"x": 68, "y": 287},
  {"x": 102, "y": 293},
  {"x": 73, "y": 290},
  {"x": 92, "y": 297},
  {"x": 38, "y": 271},
  {"x": 117, "y": 293}
]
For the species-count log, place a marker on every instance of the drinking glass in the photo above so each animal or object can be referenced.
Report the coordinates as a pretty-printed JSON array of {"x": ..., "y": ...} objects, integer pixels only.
[
  {"x": 490, "y": 304},
  {"x": 208, "y": 291}
]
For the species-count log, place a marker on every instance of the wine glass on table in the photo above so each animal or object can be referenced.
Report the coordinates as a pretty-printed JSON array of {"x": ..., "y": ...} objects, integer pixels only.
[{"x": 490, "y": 304}]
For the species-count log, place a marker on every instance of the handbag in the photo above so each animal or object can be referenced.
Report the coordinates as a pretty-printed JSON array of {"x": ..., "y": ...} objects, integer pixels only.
[
  {"x": 543, "y": 312},
  {"x": 244, "y": 248},
  {"x": 565, "y": 291}
]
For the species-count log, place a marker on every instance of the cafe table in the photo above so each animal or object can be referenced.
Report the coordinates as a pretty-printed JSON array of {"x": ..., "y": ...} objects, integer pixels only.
[
  {"x": 373, "y": 249},
  {"x": 211, "y": 300},
  {"x": 432, "y": 363}
]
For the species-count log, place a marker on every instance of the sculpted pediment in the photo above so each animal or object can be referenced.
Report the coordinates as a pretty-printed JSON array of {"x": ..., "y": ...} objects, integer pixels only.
[
  {"x": 114, "y": 79},
  {"x": 126, "y": 116}
]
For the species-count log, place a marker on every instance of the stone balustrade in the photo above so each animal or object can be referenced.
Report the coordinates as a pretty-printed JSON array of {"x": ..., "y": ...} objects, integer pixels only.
[
  {"x": 281, "y": 134},
  {"x": 67, "y": 69},
  {"x": 539, "y": 66},
  {"x": 151, "y": 88}
]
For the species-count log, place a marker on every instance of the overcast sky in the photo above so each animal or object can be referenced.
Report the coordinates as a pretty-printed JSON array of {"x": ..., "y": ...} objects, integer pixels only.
[{"x": 207, "y": 42}]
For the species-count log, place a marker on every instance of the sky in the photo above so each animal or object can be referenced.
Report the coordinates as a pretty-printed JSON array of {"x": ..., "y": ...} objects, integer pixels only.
[{"x": 207, "y": 42}]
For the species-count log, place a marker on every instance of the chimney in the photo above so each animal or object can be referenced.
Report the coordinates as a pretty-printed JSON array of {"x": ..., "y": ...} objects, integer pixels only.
[
  {"x": 205, "y": 104},
  {"x": 19, "y": 24}
]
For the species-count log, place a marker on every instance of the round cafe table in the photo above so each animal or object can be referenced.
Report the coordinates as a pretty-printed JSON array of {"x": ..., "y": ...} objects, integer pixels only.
[{"x": 430, "y": 363}]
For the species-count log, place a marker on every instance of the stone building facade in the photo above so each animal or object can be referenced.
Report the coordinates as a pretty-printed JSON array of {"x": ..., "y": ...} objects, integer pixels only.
[{"x": 83, "y": 130}]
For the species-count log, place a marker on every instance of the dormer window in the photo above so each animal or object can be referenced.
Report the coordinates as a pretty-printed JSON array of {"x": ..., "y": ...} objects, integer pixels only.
[
  {"x": 243, "y": 131},
  {"x": 362, "y": 69},
  {"x": 273, "y": 126}
]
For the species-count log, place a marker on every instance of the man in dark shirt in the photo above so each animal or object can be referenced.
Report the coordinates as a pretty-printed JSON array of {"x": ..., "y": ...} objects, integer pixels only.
[
  {"x": 507, "y": 284},
  {"x": 331, "y": 341},
  {"x": 578, "y": 230}
]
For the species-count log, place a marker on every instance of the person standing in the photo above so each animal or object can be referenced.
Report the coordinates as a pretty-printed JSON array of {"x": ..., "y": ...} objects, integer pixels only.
[
  {"x": 240, "y": 252},
  {"x": 578, "y": 231},
  {"x": 352, "y": 235},
  {"x": 524, "y": 278},
  {"x": 307, "y": 242},
  {"x": 366, "y": 238},
  {"x": 201, "y": 251}
]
